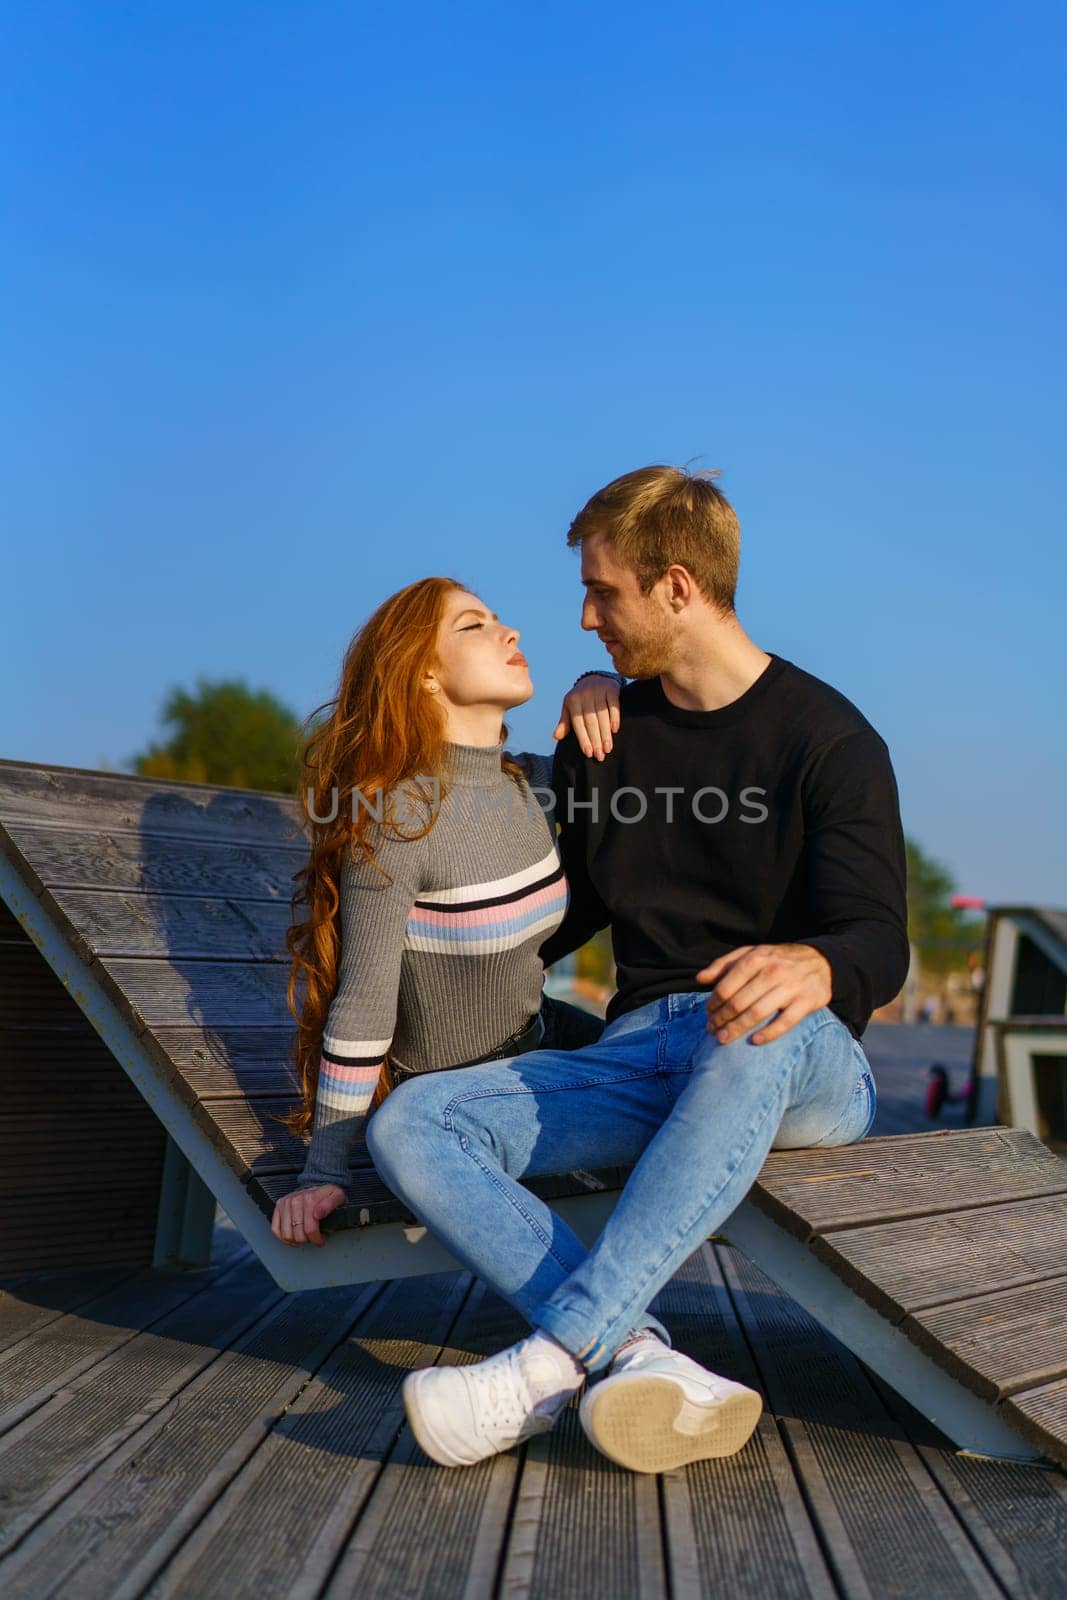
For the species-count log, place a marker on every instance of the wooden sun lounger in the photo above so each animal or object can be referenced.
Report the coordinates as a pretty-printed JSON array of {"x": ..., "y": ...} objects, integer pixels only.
[{"x": 144, "y": 931}]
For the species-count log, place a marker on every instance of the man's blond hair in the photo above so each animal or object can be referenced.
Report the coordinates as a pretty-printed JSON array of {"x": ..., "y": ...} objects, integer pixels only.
[{"x": 659, "y": 517}]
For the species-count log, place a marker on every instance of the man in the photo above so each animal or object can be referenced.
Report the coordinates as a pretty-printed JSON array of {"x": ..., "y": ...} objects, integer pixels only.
[{"x": 741, "y": 834}]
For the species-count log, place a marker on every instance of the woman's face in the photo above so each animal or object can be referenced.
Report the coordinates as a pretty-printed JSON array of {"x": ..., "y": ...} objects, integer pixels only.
[{"x": 478, "y": 659}]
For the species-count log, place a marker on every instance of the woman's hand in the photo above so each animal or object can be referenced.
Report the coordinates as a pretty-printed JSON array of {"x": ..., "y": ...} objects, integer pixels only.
[
  {"x": 297, "y": 1216},
  {"x": 591, "y": 708}
]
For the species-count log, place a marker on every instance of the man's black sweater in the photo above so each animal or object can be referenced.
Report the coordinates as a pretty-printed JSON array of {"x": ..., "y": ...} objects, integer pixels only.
[{"x": 783, "y": 827}]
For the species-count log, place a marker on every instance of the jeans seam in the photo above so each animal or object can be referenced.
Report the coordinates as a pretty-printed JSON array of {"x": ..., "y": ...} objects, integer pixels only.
[
  {"x": 843, "y": 1118},
  {"x": 542, "y": 1238},
  {"x": 680, "y": 1233},
  {"x": 873, "y": 1097},
  {"x": 709, "y": 1201},
  {"x": 562, "y": 1088}
]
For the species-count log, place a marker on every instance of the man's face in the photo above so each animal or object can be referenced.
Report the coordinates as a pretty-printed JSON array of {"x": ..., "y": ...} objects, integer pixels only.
[{"x": 636, "y": 628}]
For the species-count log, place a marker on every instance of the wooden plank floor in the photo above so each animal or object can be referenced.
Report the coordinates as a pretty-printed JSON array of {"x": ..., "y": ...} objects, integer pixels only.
[{"x": 209, "y": 1435}]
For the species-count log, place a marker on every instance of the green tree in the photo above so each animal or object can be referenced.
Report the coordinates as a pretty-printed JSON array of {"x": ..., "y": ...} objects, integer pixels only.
[
  {"x": 945, "y": 936},
  {"x": 223, "y": 732},
  {"x": 594, "y": 961}
]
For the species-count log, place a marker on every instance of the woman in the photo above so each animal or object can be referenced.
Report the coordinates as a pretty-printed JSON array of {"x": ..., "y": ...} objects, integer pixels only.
[{"x": 441, "y": 867}]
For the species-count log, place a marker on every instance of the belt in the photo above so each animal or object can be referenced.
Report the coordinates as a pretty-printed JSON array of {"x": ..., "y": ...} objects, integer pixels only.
[{"x": 527, "y": 1038}]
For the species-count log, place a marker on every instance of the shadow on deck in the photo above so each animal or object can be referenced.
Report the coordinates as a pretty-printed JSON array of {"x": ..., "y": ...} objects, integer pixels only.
[{"x": 207, "y": 1434}]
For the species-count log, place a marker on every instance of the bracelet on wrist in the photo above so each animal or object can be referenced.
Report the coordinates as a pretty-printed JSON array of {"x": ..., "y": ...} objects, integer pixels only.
[{"x": 597, "y": 672}]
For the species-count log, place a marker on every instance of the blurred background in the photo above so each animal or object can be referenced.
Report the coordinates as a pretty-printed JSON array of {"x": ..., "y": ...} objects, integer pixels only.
[{"x": 304, "y": 301}]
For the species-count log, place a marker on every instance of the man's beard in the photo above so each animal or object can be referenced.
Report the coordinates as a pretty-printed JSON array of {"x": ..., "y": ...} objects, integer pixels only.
[{"x": 645, "y": 653}]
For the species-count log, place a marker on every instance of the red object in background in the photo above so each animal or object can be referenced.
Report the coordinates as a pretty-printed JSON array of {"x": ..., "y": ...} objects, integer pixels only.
[
  {"x": 939, "y": 1094},
  {"x": 966, "y": 902},
  {"x": 936, "y": 1091}
]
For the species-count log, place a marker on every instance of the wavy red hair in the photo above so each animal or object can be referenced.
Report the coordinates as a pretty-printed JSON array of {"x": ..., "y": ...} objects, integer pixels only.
[{"x": 382, "y": 730}]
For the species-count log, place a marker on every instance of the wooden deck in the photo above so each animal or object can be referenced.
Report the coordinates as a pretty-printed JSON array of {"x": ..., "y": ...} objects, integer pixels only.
[{"x": 209, "y": 1435}]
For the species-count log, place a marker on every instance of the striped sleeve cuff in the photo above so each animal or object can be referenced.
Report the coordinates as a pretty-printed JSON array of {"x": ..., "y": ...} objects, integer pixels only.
[{"x": 348, "y": 1076}]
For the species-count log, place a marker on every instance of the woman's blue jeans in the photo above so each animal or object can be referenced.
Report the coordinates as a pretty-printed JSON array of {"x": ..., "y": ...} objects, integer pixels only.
[{"x": 694, "y": 1118}]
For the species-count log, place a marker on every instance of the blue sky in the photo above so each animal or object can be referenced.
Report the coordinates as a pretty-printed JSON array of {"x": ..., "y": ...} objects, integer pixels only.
[{"x": 306, "y": 301}]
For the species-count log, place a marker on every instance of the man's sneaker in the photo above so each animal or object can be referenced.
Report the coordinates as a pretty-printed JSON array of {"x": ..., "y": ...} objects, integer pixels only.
[
  {"x": 657, "y": 1409},
  {"x": 460, "y": 1415},
  {"x": 642, "y": 1336}
]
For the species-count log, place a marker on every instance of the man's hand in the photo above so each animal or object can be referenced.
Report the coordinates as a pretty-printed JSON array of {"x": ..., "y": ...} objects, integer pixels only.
[
  {"x": 297, "y": 1216},
  {"x": 756, "y": 980},
  {"x": 592, "y": 709}
]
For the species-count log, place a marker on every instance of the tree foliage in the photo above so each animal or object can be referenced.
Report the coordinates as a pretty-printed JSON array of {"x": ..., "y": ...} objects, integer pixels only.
[
  {"x": 945, "y": 936},
  {"x": 594, "y": 962},
  {"x": 225, "y": 733}
]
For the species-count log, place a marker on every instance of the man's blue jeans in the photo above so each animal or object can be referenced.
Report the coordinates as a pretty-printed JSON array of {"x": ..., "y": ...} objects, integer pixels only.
[{"x": 657, "y": 1091}]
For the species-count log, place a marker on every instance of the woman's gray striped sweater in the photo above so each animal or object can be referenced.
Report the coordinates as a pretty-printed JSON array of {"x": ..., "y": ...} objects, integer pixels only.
[{"x": 441, "y": 964}]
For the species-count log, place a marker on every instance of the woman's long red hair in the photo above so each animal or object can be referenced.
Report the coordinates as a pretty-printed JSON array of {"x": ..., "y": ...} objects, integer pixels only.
[{"x": 383, "y": 729}]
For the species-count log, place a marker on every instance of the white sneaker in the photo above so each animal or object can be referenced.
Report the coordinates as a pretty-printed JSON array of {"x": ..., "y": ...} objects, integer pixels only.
[
  {"x": 460, "y": 1415},
  {"x": 657, "y": 1410}
]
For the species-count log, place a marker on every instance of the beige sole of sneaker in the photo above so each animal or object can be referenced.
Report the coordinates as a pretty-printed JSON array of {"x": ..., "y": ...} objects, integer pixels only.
[{"x": 647, "y": 1425}]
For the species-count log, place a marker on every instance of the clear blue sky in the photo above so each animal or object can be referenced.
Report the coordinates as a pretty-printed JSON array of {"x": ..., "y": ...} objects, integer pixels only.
[{"x": 304, "y": 301}]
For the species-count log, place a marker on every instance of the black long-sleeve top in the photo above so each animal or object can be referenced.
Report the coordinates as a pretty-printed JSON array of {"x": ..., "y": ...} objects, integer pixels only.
[{"x": 783, "y": 827}]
